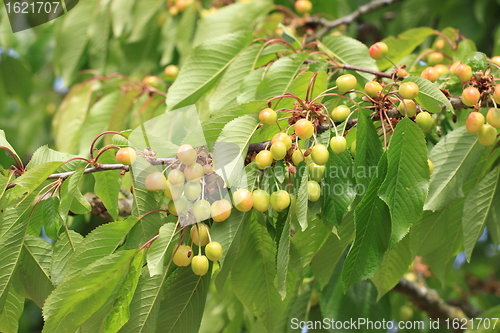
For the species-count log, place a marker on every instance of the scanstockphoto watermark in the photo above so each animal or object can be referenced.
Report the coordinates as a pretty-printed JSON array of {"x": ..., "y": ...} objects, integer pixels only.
[{"x": 355, "y": 324}]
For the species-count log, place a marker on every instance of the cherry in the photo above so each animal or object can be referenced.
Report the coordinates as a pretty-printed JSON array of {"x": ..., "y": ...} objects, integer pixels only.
[
  {"x": 372, "y": 88},
  {"x": 285, "y": 138},
  {"x": 442, "y": 69},
  {"x": 430, "y": 73},
  {"x": 487, "y": 135},
  {"x": 177, "y": 206},
  {"x": 182, "y": 4},
  {"x": 208, "y": 169},
  {"x": 280, "y": 200},
  {"x": 242, "y": 200},
  {"x": 202, "y": 239},
  {"x": 313, "y": 190},
  {"x": 470, "y": 96},
  {"x": 303, "y": 6},
  {"x": 298, "y": 156},
  {"x": 176, "y": 177},
  {"x": 435, "y": 58},
  {"x": 352, "y": 149},
  {"x": 454, "y": 66},
  {"x": 173, "y": 192},
  {"x": 340, "y": 113},
  {"x": 316, "y": 172},
  {"x": 220, "y": 210},
  {"x": 402, "y": 72},
  {"x": 278, "y": 150},
  {"x": 264, "y": 159},
  {"x": 268, "y": 116},
  {"x": 431, "y": 166},
  {"x": 193, "y": 172},
  {"x": 192, "y": 190},
  {"x": 474, "y": 122},
  {"x": 496, "y": 60},
  {"x": 260, "y": 200},
  {"x": 201, "y": 210},
  {"x": 173, "y": 11},
  {"x": 493, "y": 117},
  {"x": 378, "y": 50},
  {"x": 126, "y": 156},
  {"x": 440, "y": 44},
  {"x": 346, "y": 82},
  {"x": 424, "y": 121},
  {"x": 187, "y": 154},
  {"x": 320, "y": 154},
  {"x": 151, "y": 80},
  {"x": 155, "y": 181},
  {"x": 213, "y": 251},
  {"x": 171, "y": 71},
  {"x": 408, "y": 90},
  {"x": 463, "y": 72},
  {"x": 304, "y": 129},
  {"x": 411, "y": 108},
  {"x": 496, "y": 94},
  {"x": 183, "y": 255},
  {"x": 338, "y": 144},
  {"x": 200, "y": 265}
]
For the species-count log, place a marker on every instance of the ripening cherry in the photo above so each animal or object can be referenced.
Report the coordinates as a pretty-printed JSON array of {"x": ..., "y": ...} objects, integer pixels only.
[
  {"x": 474, "y": 122},
  {"x": 187, "y": 154},
  {"x": 126, "y": 156},
  {"x": 378, "y": 50},
  {"x": 430, "y": 73},
  {"x": 439, "y": 45},
  {"x": 338, "y": 144},
  {"x": 402, "y": 72},
  {"x": 431, "y": 166},
  {"x": 193, "y": 172},
  {"x": 411, "y": 108},
  {"x": 199, "y": 234},
  {"x": 303, "y": 6},
  {"x": 152, "y": 81},
  {"x": 264, "y": 159},
  {"x": 285, "y": 138},
  {"x": 192, "y": 191},
  {"x": 155, "y": 181},
  {"x": 320, "y": 154},
  {"x": 183, "y": 255},
  {"x": 408, "y": 90},
  {"x": 487, "y": 135},
  {"x": 242, "y": 200},
  {"x": 171, "y": 71},
  {"x": 496, "y": 60},
  {"x": 442, "y": 69},
  {"x": 213, "y": 251},
  {"x": 496, "y": 94},
  {"x": 453, "y": 67},
  {"x": 280, "y": 200},
  {"x": 176, "y": 177},
  {"x": 313, "y": 190},
  {"x": 435, "y": 58},
  {"x": 220, "y": 210},
  {"x": 175, "y": 207},
  {"x": 346, "y": 82},
  {"x": 298, "y": 156},
  {"x": 208, "y": 169},
  {"x": 470, "y": 96},
  {"x": 268, "y": 116},
  {"x": 463, "y": 72},
  {"x": 373, "y": 88},
  {"x": 304, "y": 129},
  {"x": 173, "y": 192},
  {"x": 200, "y": 265},
  {"x": 493, "y": 117},
  {"x": 424, "y": 121},
  {"x": 278, "y": 150},
  {"x": 182, "y": 4},
  {"x": 201, "y": 210},
  {"x": 316, "y": 172},
  {"x": 340, "y": 113},
  {"x": 260, "y": 200}
]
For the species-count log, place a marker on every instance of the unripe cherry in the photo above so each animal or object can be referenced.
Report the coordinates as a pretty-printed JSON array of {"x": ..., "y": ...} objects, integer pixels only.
[
  {"x": 264, "y": 159},
  {"x": 183, "y": 256},
  {"x": 298, "y": 156},
  {"x": 199, "y": 234},
  {"x": 470, "y": 96},
  {"x": 285, "y": 138},
  {"x": 493, "y": 117},
  {"x": 213, "y": 251},
  {"x": 278, "y": 150},
  {"x": 187, "y": 154},
  {"x": 304, "y": 129},
  {"x": 176, "y": 177},
  {"x": 193, "y": 172},
  {"x": 424, "y": 120},
  {"x": 260, "y": 200},
  {"x": 442, "y": 69},
  {"x": 463, "y": 72},
  {"x": 200, "y": 265},
  {"x": 175, "y": 207},
  {"x": 173, "y": 192},
  {"x": 171, "y": 71},
  {"x": 474, "y": 122},
  {"x": 346, "y": 82},
  {"x": 496, "y": 60},
  {"x": 435, "y": 58},
  {"x": 280, "y": 200},
  {"x": 487, "y": 135},
  {"x": 411, "y": 108},
  {"x": 496, "y": 94},
  {"x": 268, "y": 116},
  {"x": 320, "y": 154},
  {"x": 220, "y": 210},
  {"x": 408, "y": 90},
  {"x": 340, "y": 113},
  {"x": 155, "y": 181},
  {"x": 372, "y": 88},
  {"x": 338, "y": 144},
  {"x": 313, "y": 190}
]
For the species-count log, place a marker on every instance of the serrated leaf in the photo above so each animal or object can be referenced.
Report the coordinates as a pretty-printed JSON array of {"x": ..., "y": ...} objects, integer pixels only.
[
  {"x": 303, "y": 200},
  {"x": 9, "y": 317},
  {"x": 368, "y": 150},
  {"x": 395, "y": 264},
  {"x": 62, "y": 252},
  {"x": 34, "y": 177},
  {"x": 478, "y": 204},
  {"x": 98, "y": 32},
  {"x": 161, "y": 249},
  {"x": 454, "y": 158},
  {"x": 280, "y": 75},
  {"x": 102, "y": 241},
  {"x": 254, "y": 272},
  {"x": 121, "y": 110},
  {"x": 44, "y": 154},
  {"x": 283, "y": 259},
  {"x": 47, "y": 213},
  {"x": 107, "y": 185},
  {"x": 5, "y": 143},
  {"x": 69, "y": 190},
  {"x": 76, "y": 299},
  {"x": 373, "y": 230},
  {"x": 429, "y": 96},
  {"x": 405, "y": 187},
  {"x": 202, "y": 68},
  {"x": 306, "y": 243},
  {"x": 185, "y": 30},
  {"x": 143, "y": 13},
  {"x": 248, "y": 87}
]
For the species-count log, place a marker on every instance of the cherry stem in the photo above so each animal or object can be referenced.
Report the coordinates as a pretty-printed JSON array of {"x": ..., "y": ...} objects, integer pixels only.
[
  {"x": 103, "y": 150},
  {"x": 97, "y": 137},
  {"x": 19, "y": 163}
]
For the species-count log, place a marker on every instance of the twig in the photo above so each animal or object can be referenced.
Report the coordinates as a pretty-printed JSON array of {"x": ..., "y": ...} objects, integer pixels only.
[{"x": 329, "y": 25}]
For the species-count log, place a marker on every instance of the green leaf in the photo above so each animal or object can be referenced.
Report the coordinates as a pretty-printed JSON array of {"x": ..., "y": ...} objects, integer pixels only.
[
  {"x": 161, "y": 249},
  {"x": 44, "y": 154},
  {"x": 144, "y": 12},
  {"x": 69, "y": 191},
  {"x": 120, "y": 14},
  {"x": 454, "y": 159},
  {"x": 350, "y": 51},
  {"x": 225, "y": 94},
  {"x": 9, "y": 317},
  {"x": 429, "y": 96},
  {"x": 405, "y": 187},
  {"x": 306, "y": 243},
  {"x": 303, "y": 200},
  {"x": 189, "y": 292},
  {"x": 403, "y": 45},
  {"x": 120, "y": 311},
  {"x": 102, "y": 241},
  {"x": 395, "y": 264},
  {"x": 34, "y": 177},
  {"x": 248, "y": 87},
  {"x": 185, "y": 30},
  {"x": 67, "y": 122},
  {"x": 5, "y": 143},
  {"x": 280, "y": 75},
  {"x": 478, "y": 204},
  {"x": 107, "y": 185},
  {"x": 254, "y": 272},
  {"x": 283, "y": 259},
  {"x": 476, "y": 60},
  {"x": 373, "y": 230},
  {"x": 16, "y": 77},
  {"x": 47, "y": 212},
  {"x": 121, "y": 110},
  {"x": 202, "y": 68},
  {"x": 34, "y": 269},
  {"x": 76, "y": 299},
  {"x": 62, "y": 253},
  {"x": 98, "y": 32}
]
